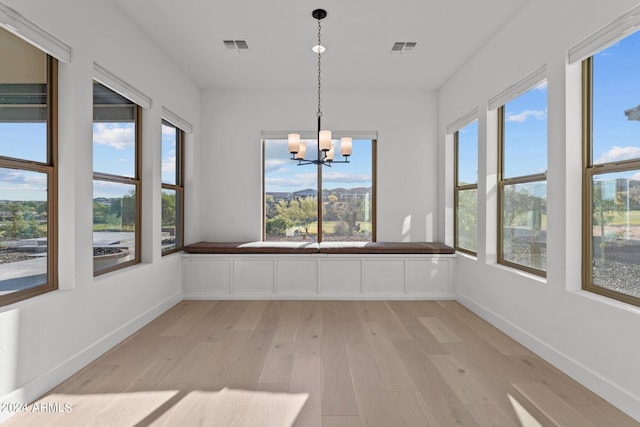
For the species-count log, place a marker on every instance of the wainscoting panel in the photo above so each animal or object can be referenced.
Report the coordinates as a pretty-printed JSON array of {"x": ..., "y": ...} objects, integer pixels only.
[{"x": 318, "y": 276}]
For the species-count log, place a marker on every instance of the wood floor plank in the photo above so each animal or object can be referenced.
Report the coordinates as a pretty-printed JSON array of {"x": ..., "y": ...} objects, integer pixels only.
[
  {"x": 374, "y": 403},
  {"x": 379, "y": 311},
  {"x": 288, "y": 323},
  {"x": 306, "y": 378},
  {"x": 461, "y": 382},
  {"x": 552, "y": 405},
  {"x": 502, "y": 342},
  {"x": 439, "y": 330},
  {"x": 331, "y": 363},
  {"x": 412, "y": 410},
  {"x": 278, "y": 364},
  {"x": 250, "y": 316},
  {"x": 192, "y": 317},
  {"x": 245, "y": 372},
  {"x": 416, "y": 329},
  {"x": 605, "y": 415},
  {"x": 341, "y": 421},
  {"x": 394, "y": 374},
  {"x": 338, "y": 394},
  {"x": 539, "y": 370},
  {"x": 309, "y": 329}
]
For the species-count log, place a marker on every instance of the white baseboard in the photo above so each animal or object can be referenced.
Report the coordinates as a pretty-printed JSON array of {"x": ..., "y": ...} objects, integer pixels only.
[
  {"x": 346, "y": 297},
  {"x": 614, "y": 394},
  {"x": 41, "y": 384}
]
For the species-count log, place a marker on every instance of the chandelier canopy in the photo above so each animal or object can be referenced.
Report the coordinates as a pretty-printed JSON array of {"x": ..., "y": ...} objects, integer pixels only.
[{"x": 326, "y": 151}]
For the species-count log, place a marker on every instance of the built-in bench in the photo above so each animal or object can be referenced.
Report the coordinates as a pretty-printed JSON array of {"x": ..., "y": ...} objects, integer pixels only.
[
  {"x": 324, "y": 247},
  {"x": 347, "y": 270}
]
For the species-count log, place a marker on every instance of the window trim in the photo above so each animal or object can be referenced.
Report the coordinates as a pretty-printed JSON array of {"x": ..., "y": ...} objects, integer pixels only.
[
  {"x": 502, "y": 183},
  {"x": 50, "y": 168},
  {"x": 137, "y": 182},
  {"x": 456, "y": 190},
  {"x": 178, "y": 187},
  {"x": 589, "y": 171},
  {"x": 374, "y": 169}
]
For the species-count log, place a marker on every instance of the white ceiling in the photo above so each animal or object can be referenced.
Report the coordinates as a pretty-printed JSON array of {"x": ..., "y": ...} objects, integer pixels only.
[{"x": 358, "y": 35}]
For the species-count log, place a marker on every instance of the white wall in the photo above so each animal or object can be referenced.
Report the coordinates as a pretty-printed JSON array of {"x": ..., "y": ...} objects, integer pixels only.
[
  {"x": 232, "y": 122},
  {"x": 46, "y": 338},
  {"x": 592, "y": 338}
]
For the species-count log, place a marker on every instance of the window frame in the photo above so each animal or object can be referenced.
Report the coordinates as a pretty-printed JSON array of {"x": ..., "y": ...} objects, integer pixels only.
[
  {"x": 589, "y": 171},
  {"x": 178, "y": 187},
  {"x": 504, "y": 182},
  {"x": 136, "y": 181},
  {"x": 374, "y": 156},
  {"x": 50, "y": 168},
  {"x": 457, "y": 189}
]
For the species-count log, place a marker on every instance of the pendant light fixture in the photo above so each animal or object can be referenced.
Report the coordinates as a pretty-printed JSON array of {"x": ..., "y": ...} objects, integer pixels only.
[{"x": 326, "y": 151}]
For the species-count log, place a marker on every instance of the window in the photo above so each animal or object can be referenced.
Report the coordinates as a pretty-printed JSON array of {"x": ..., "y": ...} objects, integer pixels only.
[
  {"x": 116, "y": 180},
  {"x": 28, "y": 175},
  {"x": 172, "y": 188},
  {"x": 466, "y": 188},
  {"x": 611, "y": 197},
  {"x": 347, "y": 210},
  {"x": 522, "y": 181}
]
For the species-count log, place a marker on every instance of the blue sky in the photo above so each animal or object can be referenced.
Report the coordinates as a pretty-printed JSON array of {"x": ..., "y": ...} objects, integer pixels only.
[
  {"x": 168, "y": 154},
  {"x": 283, "y": 175},
  {"x": 616, "y": 89},
  {"x": 468, "y": 154},
  {"x": 616, "y": 72},
  {"x": 525, "y": 133}
]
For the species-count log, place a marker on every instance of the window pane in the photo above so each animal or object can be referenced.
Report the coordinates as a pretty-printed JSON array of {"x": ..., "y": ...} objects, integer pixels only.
[
  {"x": 525, "y": 133},
  {"x": 291, "y": 210},
  {"x": 616, "y": 231},
  {"x": 524, "y": 224},
  {"x": 616, "y": 105},
  {"x": 114, "y": 223},
  {"x": 169, "y": 157},
  {"x": 23, "y": 99},
  {"x": 114, "y": 133},
  {"x": 466, "y": 216},
  {"x": 468, "y": 154},
  {"x": 23, "y": 230},
  {"x": 347, "y": 190},
  {"x": 171, "y": 231}
]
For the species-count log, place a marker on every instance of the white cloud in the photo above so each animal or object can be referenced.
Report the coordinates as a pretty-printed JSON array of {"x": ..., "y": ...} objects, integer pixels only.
[
  {"x": 523, "y": 116},
  {"x": 110, "y": 189},
  {"x": 274, "y": 165},
  {"x": 346, "y": 177},
  {"x": 168, "y": 131},
  {"x": 299, "y": 181},
  {"x": 114, "y": 135},
  {"x": 635, "y": 177},
  {"x": 615, "y": 154},
  {"x": 22, "y": 185},
  {"x": 169, "y": 164},
  {"x": 542, "y": 86}
]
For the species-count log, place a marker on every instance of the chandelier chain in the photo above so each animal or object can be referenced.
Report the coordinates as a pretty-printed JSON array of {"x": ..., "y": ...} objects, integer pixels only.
[{"x": 319, "y": 114}]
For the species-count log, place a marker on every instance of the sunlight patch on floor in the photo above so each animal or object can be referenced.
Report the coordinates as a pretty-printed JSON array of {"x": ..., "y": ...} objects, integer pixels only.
[{"x": 525, "y": 417}]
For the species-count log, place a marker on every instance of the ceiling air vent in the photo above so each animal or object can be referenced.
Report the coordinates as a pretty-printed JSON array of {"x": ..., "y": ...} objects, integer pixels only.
[
  {"x": 400, "y": 48},
  {"x": 239, "y": 46}
]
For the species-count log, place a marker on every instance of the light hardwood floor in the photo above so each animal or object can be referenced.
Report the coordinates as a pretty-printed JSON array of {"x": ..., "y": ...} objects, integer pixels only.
[{"x": 313, "y": 363}]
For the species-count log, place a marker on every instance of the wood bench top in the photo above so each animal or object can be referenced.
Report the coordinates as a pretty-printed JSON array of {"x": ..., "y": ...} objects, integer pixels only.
[{"x": 324, "y": 247}]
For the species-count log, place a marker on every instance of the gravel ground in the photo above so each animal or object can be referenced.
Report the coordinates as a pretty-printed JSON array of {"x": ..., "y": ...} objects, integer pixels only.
[
  {"x": 12, "y": 255},
  {"x": 618, "y": 276}
]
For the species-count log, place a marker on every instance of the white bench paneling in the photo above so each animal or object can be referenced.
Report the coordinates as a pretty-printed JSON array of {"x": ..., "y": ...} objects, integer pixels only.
[
  {"x": 340, "y": 276},
  {"x": 384, "y": 276},
  {"x": 318, "y": 276},
  {"x": 254, "y": 276},
  {"x": 297, "y": 276}
]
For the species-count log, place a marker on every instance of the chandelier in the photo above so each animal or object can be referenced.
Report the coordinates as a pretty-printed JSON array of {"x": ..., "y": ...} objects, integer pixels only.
[{"x": 326, "y": 151}]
